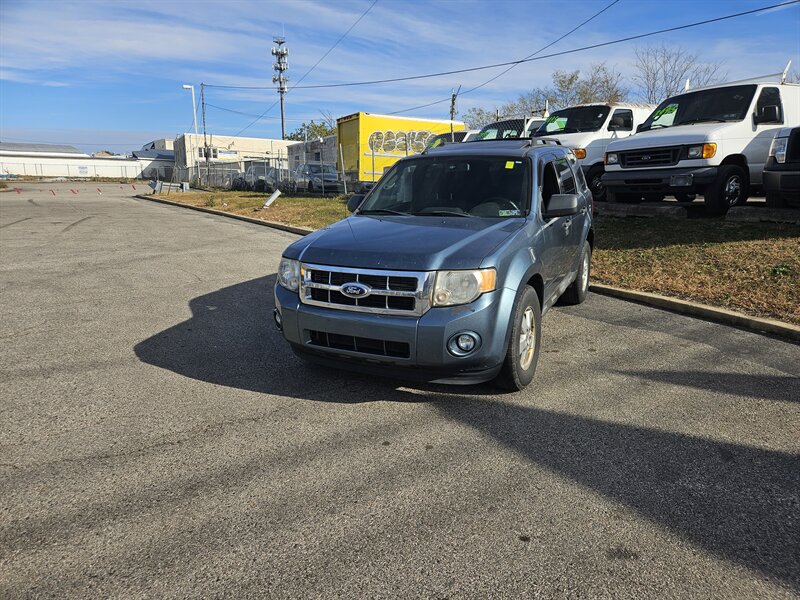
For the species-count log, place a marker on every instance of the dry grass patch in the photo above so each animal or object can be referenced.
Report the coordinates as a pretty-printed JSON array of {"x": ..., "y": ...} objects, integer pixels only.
[
  {"x": 312, "y": 212},
  {"x": 749, "y": 267}
]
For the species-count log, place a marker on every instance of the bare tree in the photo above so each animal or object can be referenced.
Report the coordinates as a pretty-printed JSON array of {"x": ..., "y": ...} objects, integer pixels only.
[
  {"x": 478, "y": 117},
  {"x": 328, "y": 118},
  {"x": 662, "y": 71},
  {"x": 603, "y": 84}
]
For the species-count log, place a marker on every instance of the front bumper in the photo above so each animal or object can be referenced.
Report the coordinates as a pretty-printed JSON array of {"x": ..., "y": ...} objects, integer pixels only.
[
  {"x": 665, "y": 181},
  {"x": 426, "y": 338},
  {"x": 785, "y": 184}
]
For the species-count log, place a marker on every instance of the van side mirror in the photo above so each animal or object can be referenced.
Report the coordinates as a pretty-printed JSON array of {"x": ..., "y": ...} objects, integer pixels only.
[
  {"x": 561, "y": 205},
  {"x": 769, "y": 114},
  {"x": 354, "y": 202}
]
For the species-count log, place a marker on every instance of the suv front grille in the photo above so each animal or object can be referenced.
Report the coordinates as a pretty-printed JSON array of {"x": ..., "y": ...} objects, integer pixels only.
[
  {"x": 386, "y": 292},
  {"x": 650, "y": 157}
]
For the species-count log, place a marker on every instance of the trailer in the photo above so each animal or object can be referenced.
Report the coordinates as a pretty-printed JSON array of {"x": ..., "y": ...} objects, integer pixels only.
[{"x": 370, "y": 144}]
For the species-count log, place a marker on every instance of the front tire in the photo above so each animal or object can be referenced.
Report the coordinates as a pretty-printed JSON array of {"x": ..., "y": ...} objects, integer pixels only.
[
  {"x": 728, "y": 190},
  {"x": 522, "y": 354},
  {"x": 576, "y": 292},
  {"x": 595, "y": 182}
]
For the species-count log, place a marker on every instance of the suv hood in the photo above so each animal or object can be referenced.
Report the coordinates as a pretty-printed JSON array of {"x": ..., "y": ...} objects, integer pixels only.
[
  {"x": 671, "y": 136},
  {"x": 404, "y": 243}
]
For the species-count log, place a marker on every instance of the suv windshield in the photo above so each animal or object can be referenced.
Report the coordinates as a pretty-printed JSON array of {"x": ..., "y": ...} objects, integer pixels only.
[
  {"x": 510, "y": 128},
  {"x": 574, "y": 120},
  {"x": 327, "y": 169},
  {"x": 462, "y": 186},
  {"x": 703, "y": 106}
]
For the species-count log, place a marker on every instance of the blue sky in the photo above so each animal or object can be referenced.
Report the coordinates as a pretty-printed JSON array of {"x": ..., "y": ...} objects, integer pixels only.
[{"x": 108, "y": 74}]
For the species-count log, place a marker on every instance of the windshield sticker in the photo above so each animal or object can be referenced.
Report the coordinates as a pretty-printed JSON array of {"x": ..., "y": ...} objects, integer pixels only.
[
  {"x": 668, "y": 109},
  {"x": 509, "y": 164},
  {"x": 508, "y": 213}
]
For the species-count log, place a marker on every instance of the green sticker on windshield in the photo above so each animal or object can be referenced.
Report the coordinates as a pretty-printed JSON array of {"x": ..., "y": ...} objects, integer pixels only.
[
  {"x": 668, "y": 109},
  {"x": 508, "y": 213}
]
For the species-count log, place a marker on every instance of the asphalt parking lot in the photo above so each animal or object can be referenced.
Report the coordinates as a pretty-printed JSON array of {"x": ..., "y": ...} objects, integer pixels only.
[{"x": 159, "y": 439}]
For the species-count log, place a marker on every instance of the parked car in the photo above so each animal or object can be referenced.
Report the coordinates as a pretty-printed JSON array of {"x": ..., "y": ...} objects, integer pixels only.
[
  {"x": 445, "y": 268},
  {"x": 317, "y": 177},
  {"x": 261, "y": 178},
  {"x": 238, "y": 182},
  {"x": 712, "y": 141},
  {"x": 782, "y": 171},
  {"x": 588, "y": 129}
]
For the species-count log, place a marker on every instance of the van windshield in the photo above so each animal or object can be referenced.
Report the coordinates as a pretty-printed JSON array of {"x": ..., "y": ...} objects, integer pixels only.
[
  {"x": 574, "y": 120},
  {"x": 463, "y": 186},
  {"x": 718, "y": 105},
  {"x": 510, "y": 128}
]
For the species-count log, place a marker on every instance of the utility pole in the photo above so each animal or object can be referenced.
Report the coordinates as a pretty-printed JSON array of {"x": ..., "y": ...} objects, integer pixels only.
[
  {"x": 205, "y": 139},
  {"x": 453, "y": 96},
  {"x": 281, "y": 54}
]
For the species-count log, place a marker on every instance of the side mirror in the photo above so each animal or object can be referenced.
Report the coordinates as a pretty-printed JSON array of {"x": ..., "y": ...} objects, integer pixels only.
[
  {"x": 354, "y": 202},
  {"x": 769, "y": 114},
  {"x": 561, "y": 205}
]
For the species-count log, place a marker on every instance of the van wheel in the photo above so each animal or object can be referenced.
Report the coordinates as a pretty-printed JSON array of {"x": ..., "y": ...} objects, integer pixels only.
[
  {"x": 596, "y": 186},
  {"x": 728, "y": 190},
  {"x": 576, "y": 292},
  {"x": 775, "y": 200},
  {"x": 523, "y": 347}
]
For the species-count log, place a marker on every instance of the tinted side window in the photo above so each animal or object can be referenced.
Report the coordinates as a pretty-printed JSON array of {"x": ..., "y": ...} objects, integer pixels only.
[
  {"x": 566, "y": 176},
  {"x": 770, "y": 96},
  {"x": 622, "y": 120}
]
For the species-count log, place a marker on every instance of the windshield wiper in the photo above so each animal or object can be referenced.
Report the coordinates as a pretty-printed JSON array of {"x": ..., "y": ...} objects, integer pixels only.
[
  {"x": 442, "y": 213},
  {"x": 382, "y": 211},
  {"x": 703, "y": 120}
]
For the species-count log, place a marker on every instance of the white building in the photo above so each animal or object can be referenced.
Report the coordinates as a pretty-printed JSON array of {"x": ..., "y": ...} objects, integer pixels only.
[
  {"x": 228, "y": 150},
  {"x": 51, "y": 160}
]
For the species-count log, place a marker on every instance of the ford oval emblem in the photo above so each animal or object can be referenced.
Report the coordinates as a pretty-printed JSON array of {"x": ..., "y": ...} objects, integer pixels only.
[
  {"x": 646, "y": 157},
  {"x": 355, "y": 290}
]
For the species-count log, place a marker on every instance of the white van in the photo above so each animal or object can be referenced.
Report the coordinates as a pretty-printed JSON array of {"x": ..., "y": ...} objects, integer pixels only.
[
  {"x": 511, "y": 127},
  {"x": 589, "y": 128},
  {"x": 712, "y": 141}
]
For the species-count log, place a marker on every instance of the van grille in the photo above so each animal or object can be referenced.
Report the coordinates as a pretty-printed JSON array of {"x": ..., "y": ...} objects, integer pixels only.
[
  {"x": 650, "y": 157},
  {"x": 387, "y": 292}
]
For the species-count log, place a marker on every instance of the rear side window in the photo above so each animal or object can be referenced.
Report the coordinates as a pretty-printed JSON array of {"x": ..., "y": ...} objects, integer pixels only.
[{"x": 566, "y": 176}]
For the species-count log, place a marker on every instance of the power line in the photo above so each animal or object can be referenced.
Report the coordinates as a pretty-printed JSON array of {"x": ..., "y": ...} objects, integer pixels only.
[
  {"x": 536, "y": 58},
  {"x": 246, "y": 114},
  {"x": 488, "y": 81},
  {"x": 314, "y": 66}
]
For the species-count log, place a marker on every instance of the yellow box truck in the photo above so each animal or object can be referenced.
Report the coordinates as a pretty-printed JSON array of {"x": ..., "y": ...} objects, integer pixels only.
[{"x": 370, "y": 144}]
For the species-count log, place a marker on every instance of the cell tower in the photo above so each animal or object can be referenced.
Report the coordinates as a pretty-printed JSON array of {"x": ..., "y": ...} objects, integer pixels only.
[{"x": 281, "y": 55}]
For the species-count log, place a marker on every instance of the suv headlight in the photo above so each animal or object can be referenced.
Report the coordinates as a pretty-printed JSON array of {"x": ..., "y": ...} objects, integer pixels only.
[
  {"x": 462, "y": 287},
  {"x": 702, "y": 151},
  {"x": 778, "y": 148},
  {"x": 289, "y": 274},
  {"x": 612, "y": 158}
]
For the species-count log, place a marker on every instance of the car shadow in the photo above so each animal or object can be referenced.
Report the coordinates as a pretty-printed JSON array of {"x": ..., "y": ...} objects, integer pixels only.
[
  {"x": 231, "y": 340},
  {"x": 736, "y": 501}
]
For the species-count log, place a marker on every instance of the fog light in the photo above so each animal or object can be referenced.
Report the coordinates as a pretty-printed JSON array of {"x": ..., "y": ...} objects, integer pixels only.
[{"x": 464, "y": 343}]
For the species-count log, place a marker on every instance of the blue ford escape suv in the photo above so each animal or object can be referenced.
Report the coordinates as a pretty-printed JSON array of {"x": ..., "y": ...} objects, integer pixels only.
[{"x": 444, "y": 270}]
